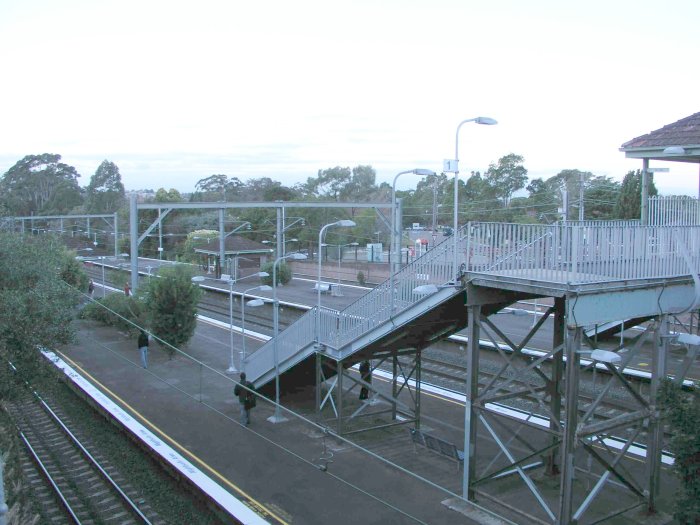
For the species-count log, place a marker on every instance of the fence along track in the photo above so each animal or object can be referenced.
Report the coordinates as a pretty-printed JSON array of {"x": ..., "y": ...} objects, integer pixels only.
[{"x": 88, "y": 488}]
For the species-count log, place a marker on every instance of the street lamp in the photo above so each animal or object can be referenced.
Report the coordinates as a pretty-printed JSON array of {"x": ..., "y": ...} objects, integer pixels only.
[
  {"x": 277, "y": 417},
  {"x": 343, "y": 223},
  {"x": 232, "y": 367},
  {"x": 254, "y": 302},
  {"x": 395, "y": 238},
  {"x": 479, "y": 120}
]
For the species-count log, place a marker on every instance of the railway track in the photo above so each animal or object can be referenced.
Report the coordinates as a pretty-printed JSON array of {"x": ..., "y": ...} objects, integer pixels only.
[{"x": 70, "y": 479}]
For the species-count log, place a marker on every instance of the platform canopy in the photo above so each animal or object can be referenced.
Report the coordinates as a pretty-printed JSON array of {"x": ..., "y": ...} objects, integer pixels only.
[{"x": 678, "y": 142}]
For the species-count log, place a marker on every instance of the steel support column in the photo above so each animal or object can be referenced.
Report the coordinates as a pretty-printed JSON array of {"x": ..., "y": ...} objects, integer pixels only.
[
  {"x": 472, "y": 392},
  {"x": 568, "y": 449},
  {"x": 222, "y": 244},
  {"x": 655, "y": 433},
  {"x": 394, "y": 385},
  {"x": 134, "y": 233},
  {"x": 418, "y": 388},
  {"x": 555, "y": 384},
  {"x": 319, "y": 364},
  {"x": 339, "y": 393}
]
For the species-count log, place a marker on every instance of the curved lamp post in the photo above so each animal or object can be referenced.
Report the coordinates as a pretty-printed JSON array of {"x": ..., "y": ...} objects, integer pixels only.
[
  {"x": 277, "y": 417},
  {"x": 395, "y": 237},
  {"x": 254, "y": 302},
  {"x": 479, "y": 120},
  {"x": 344, "y": 223}
]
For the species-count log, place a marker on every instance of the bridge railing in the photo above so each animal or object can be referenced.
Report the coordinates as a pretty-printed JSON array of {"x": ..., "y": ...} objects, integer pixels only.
[
  {"x": 337, "y": 328},
  {"x": 566, "y": 253}
]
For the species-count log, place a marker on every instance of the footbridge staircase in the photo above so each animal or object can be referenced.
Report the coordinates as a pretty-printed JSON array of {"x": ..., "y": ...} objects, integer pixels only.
[{"x": 427, "y": 304}]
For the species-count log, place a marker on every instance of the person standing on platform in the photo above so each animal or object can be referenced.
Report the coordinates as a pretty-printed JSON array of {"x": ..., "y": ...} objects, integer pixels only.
[
  {"x": 91, "y": 288},
  {"x": 143, "y": 348},
  {"x": 366, "y": 376},
  {"x": 245, "y": 391}
]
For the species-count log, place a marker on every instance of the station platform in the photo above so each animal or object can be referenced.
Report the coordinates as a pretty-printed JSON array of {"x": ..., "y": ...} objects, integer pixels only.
[{"x": 288, "y": 472}]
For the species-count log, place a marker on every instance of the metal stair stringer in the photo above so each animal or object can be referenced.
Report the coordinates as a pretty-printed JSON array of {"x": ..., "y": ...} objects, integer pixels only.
[{"x": 414, "y": 291}]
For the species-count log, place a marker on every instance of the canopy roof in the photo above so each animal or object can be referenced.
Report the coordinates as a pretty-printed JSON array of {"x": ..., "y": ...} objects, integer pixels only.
[
  {"x": 679, "y": 142},
  {"x": 233, "y": 245}
]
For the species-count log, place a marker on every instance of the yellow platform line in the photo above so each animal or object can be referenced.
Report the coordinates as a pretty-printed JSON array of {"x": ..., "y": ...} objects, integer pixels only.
[{"x": 253, "y": 503}]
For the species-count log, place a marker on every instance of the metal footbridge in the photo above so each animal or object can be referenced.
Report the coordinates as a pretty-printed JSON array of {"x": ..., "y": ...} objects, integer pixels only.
[
  {"x": 427, "y": 304},
  {"x": 425, "y": 301}
]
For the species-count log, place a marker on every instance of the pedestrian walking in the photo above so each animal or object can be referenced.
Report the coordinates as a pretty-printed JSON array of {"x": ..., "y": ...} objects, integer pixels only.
[
  {"x": 127, "y": 290},
  {"x": 143, "y": 348},
  {"x": 91, "y": 288},
  {"x": 245, "y": 391},
  {"x": 366, "y": 376}
]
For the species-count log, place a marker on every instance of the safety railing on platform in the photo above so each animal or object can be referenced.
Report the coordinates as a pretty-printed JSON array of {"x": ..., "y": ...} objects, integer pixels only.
[
  {"x": 674, "y": 211},
  {"x": 574, "y": 254}
]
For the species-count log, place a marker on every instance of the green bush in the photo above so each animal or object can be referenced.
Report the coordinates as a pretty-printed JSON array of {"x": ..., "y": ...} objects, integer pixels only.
[
  {"x": 683, "y": 410},
  {"x": 116, "y": 310},
  {"x": 361, "y": 278},
  {"x": 171, "y": 305},
  {"x": 284, "y": 273}
]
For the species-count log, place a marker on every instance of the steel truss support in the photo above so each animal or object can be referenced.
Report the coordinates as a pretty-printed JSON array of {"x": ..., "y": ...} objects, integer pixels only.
[
  {"x": 579, "y": 428},
  {"x": 344, "y": 383}
]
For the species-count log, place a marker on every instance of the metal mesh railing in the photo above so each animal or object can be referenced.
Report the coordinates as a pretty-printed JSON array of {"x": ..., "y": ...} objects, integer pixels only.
[
  {"x": 576, "y": 254},
  {"x": 337, "y": 328}
]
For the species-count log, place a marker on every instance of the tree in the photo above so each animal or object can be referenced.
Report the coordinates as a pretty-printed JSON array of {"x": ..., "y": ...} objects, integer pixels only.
[
  {"x": 40, "y": 184},
  {"x": 171, "y": 306},
  {"x": 599, "y": 197},
  {"x": 105, "y": 193},
  {"x": 683, "y": 411},
  {"x": 284, "y": 273},
  {"x": 506, "y": 177},
  {"x": 209, "y": 189},
  {"x": 40, "y": 284},
  {"x": 629, "y": 201},
  {"x": 171, "y": 195}
]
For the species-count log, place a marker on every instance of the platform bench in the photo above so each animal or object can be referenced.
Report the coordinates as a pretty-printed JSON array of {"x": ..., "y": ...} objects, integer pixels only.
[
  {"x": 437, "y": 445},
  {"x": 325, "y": 287}
]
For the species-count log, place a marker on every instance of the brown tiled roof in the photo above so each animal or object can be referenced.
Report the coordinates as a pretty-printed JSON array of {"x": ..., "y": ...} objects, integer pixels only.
[
  {"x": 685, "y": 132},
  {"x": 232, "y": 244}
]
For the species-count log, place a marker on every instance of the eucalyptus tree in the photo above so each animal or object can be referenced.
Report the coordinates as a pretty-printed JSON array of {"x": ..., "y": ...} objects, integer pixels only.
[
  {"x": 105, "y": 193},
  {"x": 40, "y": 184}
]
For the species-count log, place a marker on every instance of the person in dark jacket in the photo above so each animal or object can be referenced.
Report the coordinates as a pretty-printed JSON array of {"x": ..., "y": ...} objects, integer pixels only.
[
  {"x": 366, "y": 375},
  {"x": 143, "y": 348},
  {"x": 245, "y": 392},
  {"x": 91, "y": 288}
]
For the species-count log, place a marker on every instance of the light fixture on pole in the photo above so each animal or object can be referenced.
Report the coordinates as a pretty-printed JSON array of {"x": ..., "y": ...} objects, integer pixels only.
[
  {"x": 254, "y": 302},
  {"x": 395, "y": 237},
  {"x": 452, "y": 165},
  {"x": 344, "y": 223},
  {"x": 277, "y": 417},
  {"x": 232, "y": 367}
]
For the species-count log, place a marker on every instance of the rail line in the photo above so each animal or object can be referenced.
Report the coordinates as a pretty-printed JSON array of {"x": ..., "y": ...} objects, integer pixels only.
[{"x": 87, "y": 487}]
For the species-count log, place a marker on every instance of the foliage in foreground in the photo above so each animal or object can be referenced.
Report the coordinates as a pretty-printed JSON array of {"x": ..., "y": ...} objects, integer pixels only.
[
  {"x": 40, "y": 283},
  {"x": 684, "y": 420}
]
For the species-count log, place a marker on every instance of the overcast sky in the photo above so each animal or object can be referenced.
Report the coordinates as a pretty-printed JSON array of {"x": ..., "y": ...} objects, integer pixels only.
[{"x": 173, "y": 92}]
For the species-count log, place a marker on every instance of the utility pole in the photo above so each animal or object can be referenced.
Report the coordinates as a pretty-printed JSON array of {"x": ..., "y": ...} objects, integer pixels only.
[
  {"x": 434, "y": 206},
  {"x": 580, "y": 198},
  {"x": 564, "y": 203}
]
